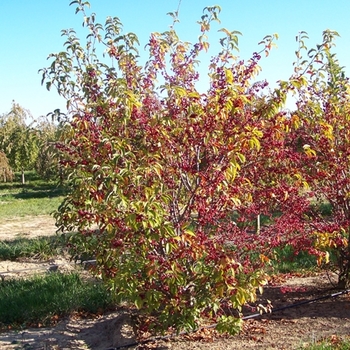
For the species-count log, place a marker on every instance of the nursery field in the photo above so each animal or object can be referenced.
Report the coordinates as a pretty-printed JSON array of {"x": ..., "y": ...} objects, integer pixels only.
[
  {"x": 203, "y": 209},
  {"x": 31, "y": 252}
]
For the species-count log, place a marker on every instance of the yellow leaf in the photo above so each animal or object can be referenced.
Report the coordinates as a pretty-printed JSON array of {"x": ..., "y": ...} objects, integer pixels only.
[
  {"x": 309, "y": 151},
  {"x": 264, "y": 258},
  {"x": 189, "y": 232},
  {"x": 167, "y": 248},
  {"x": 295, "y": 121},
  {"x": 205, "y": 45},
  {"x": 229, "y": 76}
]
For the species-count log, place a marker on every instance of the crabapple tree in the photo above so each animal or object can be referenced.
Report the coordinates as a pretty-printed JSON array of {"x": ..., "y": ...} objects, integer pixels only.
[
  {"x": 165, "y": 180},
  {"x": 323, "y": 111}
]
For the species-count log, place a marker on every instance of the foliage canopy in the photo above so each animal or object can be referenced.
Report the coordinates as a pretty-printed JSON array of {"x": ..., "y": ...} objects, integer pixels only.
[{"x": 166, "y": 181}]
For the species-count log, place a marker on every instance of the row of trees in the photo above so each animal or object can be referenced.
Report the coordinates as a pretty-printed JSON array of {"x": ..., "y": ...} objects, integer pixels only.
[
  {"x": 173, "y": 177},
  {"x": 27, "y": 144}
]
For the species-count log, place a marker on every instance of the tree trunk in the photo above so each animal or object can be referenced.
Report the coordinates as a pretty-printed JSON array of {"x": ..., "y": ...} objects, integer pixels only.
[
  {"x": 344, "y": 269},
  {"x": 344, "y": 278},
  {"x": 23, "y": 178},
  {"x": 257, "y": 224},
  {"x": 61, "y": 175}
]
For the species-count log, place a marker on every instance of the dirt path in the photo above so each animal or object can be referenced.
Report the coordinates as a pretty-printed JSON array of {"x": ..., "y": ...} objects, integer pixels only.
[
  {"x": 291, "y": 328},
  {"x": 29, "y": 227}
]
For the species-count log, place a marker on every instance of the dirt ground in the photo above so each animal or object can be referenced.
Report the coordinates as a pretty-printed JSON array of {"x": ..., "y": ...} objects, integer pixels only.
[
  {"x": 16, "y": 227},
  {"x": 285, "y": 328}
]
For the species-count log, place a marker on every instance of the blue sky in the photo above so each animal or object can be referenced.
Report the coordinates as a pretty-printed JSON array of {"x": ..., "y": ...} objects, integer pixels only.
[{"x": 30, "y": 31}]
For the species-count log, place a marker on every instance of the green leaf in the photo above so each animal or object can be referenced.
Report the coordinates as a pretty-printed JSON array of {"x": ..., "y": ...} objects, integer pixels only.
[{"x": 139, "y": 303}]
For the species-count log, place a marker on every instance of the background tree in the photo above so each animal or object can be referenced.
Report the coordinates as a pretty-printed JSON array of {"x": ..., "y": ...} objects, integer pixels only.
[
  {"x": 17, "y": 139},
  {"x": 47, "y": 133},
  {"x": 6, "y": 173},
  {"x": 323, "y": 108}
]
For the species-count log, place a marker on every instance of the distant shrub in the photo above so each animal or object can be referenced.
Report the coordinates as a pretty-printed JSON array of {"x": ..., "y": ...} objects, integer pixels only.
[
  {"x": 47, "y": 165},
  {"x": 6, "y": 173}
]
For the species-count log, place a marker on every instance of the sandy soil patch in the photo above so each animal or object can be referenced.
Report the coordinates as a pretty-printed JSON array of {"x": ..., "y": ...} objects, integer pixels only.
[{"x": 29, "y": 227}]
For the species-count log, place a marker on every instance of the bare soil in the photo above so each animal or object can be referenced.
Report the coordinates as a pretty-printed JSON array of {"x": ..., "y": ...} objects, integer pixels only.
[
  {"x": 34, "y": 226},
  {"x": 286, "y": 327}
]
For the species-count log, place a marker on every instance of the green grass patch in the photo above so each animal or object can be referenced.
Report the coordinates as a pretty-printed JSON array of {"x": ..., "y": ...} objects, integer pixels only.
[
  {"x": 39, "y": 248},
  {"x": 287, "y": 260},
  {"x": 11, "y": 207},
  {"x": 323, "y": 207},
  {"x": 35, "y": 197},
  {"x": 333, "y": 343},
  {"x": 41, "y": 299}
]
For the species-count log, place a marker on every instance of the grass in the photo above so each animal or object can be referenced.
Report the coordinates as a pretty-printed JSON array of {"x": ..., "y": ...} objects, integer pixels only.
[
  {"x": 41, "y": 300},
  {"x": 288, "y": 261},
  {"x": 10, "y": 207},
  {"x": 38, "y": 248},
  {"x": 35, "y": 197},
  {"x": 332, "y": 343}
]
